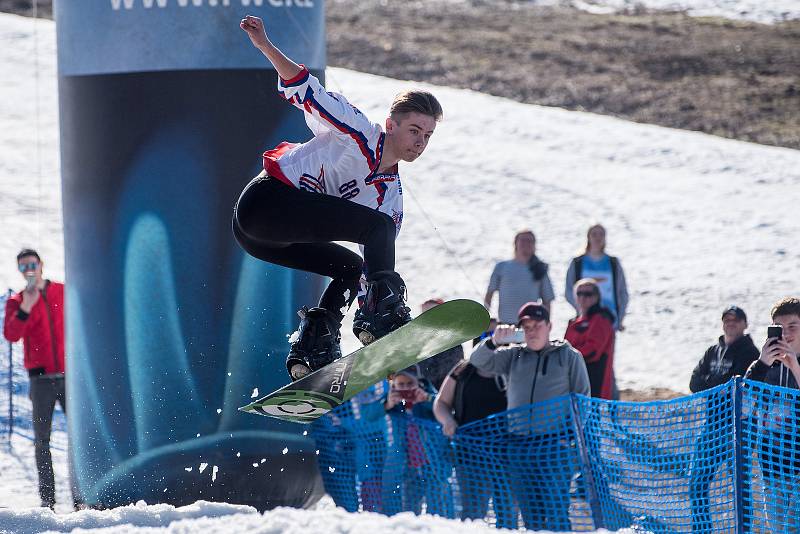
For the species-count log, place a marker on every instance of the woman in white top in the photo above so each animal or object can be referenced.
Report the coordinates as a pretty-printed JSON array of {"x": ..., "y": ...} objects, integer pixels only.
[{"x": 607, "y": 270}]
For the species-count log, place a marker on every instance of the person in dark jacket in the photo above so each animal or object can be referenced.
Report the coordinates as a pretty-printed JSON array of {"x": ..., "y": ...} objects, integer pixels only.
[
  {"x": 592, "y": 334},
  {"x": 469, "y": 394},
  {"x": 730, "y": 356},
  {"x": 36, "y": 316},
  {"x": 775, "y": 435}
]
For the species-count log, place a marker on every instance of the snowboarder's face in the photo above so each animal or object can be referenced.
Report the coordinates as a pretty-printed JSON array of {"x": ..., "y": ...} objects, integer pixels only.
[
  {"x": 537, "y": 333},
  {"x": 409, "y": 134}
]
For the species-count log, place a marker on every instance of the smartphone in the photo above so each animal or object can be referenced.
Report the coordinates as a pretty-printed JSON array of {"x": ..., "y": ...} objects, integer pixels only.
[
  {"x": 519, "y": 336},
  {"x": 30, "y": 282},
  {"x": 775, "y": 330},
  {"x": 407, "y": 394}
]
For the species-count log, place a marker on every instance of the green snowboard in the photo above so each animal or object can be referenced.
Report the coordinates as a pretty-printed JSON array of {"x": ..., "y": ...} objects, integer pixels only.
[{"x": 434, "y": 331}]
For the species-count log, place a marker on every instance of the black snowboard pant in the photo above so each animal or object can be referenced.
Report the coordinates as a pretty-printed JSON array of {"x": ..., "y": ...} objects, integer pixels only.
[
  {"x": 45, "y": 391},
  {"x": 287, "y": 226}
]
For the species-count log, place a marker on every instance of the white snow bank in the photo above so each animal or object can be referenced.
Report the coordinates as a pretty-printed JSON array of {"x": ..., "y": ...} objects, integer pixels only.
[{"x": 212, "y": 518}]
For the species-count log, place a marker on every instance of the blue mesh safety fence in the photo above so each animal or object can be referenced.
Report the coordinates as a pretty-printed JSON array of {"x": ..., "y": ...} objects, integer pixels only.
[
  {"x": 724, "y": 460},
  {"x": 770, "y": 452},
  {"x": 15, "y": 405}
]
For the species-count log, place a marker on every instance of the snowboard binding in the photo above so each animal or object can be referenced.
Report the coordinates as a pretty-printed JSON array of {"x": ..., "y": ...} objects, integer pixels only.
[
  {"x": 384, "y": 308},
  {"x": 315, "y": 344}
]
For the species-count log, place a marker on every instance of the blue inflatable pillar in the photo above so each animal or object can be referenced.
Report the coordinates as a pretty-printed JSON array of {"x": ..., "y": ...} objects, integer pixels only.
[{"x": 165, "y": 110}]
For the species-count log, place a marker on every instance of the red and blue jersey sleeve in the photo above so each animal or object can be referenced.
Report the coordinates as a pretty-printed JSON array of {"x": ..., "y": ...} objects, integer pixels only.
[{"x": 330, "y": 112}]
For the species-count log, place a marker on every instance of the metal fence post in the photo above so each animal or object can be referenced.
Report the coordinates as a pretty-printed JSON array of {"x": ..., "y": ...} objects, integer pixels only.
[
  {"x": 738, "y": 460},
  {"x": 586, "y": 463}
]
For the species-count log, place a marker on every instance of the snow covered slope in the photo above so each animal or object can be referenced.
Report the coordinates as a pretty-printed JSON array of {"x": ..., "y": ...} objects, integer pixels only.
[{"x": 699, "y": 222}]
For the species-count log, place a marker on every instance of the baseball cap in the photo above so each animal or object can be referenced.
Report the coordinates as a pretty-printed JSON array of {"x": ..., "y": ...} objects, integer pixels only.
[
  {"x": 737, "y": 311},
  {"x": 532, "y": 310}
]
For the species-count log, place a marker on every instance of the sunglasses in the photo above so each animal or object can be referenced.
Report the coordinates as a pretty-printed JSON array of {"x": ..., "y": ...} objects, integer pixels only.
[
  {"x": 32, "y": 266},
  {"x": 586, "y": 294}
]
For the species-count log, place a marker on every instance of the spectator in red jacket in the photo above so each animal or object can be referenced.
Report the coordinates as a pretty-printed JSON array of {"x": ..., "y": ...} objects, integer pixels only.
[
  {"x": 36, "y": 315},
  {"x": 592, "y": 333}
]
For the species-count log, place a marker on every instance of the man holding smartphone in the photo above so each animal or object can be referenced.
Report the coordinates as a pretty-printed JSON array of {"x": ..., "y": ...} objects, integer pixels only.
[
  {"x": 774, "y": 436},
  {"x": 539, "y": 450},
  {"x": 782, "y": 347},
  {"x": 538, "y": 369},
  {"x": 36, "y": 315}
]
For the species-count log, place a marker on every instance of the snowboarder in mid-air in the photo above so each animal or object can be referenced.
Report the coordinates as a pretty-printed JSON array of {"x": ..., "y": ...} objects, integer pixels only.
[{"x": 342, "y": 185}]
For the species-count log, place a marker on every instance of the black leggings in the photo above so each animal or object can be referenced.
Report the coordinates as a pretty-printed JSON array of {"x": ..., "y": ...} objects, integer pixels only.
[{"x": 286, "y": 226}]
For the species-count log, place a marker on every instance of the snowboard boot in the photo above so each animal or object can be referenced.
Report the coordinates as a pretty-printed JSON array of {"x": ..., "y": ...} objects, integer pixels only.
[
  {"x": 384, "y": 307},
  {"x": 315, "y": 344}
]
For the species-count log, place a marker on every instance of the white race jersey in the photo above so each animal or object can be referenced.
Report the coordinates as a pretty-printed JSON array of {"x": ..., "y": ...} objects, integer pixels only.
[{"x": 343, "y": 157}]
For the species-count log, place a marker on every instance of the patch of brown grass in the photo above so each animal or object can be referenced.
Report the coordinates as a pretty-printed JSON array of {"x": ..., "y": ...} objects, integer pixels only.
[{"x": 728, "y": 78}]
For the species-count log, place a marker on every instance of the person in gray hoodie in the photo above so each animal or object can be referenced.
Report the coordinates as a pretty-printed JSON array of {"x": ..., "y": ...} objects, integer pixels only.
[
  {"x": 540, "y": 457},
  {"x": 538, "y": 369}
]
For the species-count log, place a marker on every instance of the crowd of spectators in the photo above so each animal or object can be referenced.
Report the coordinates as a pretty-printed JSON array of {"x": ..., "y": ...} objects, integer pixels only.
[
  {"x": 595, "y": 287},
  {"x": 515, "y": 363},
  {"x": 518, "y": 362}
]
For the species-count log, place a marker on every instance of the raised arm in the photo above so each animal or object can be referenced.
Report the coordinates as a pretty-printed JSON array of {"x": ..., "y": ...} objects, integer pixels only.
[
  {"x": 13, "y": 326},
  {"x": 254, "y": 26},
  {"x": 489, "y": 357},
  {"x": 443, "y": 406},
  {"x": 324, "y": 111}
]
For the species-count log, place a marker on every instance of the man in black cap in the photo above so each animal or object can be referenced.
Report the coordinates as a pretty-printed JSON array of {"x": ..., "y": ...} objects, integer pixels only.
[{"x": 730, "y": 356}]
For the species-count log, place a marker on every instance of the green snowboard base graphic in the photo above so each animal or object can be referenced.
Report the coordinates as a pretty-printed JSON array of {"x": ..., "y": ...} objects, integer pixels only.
[{"x": 434, "y": 331}]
